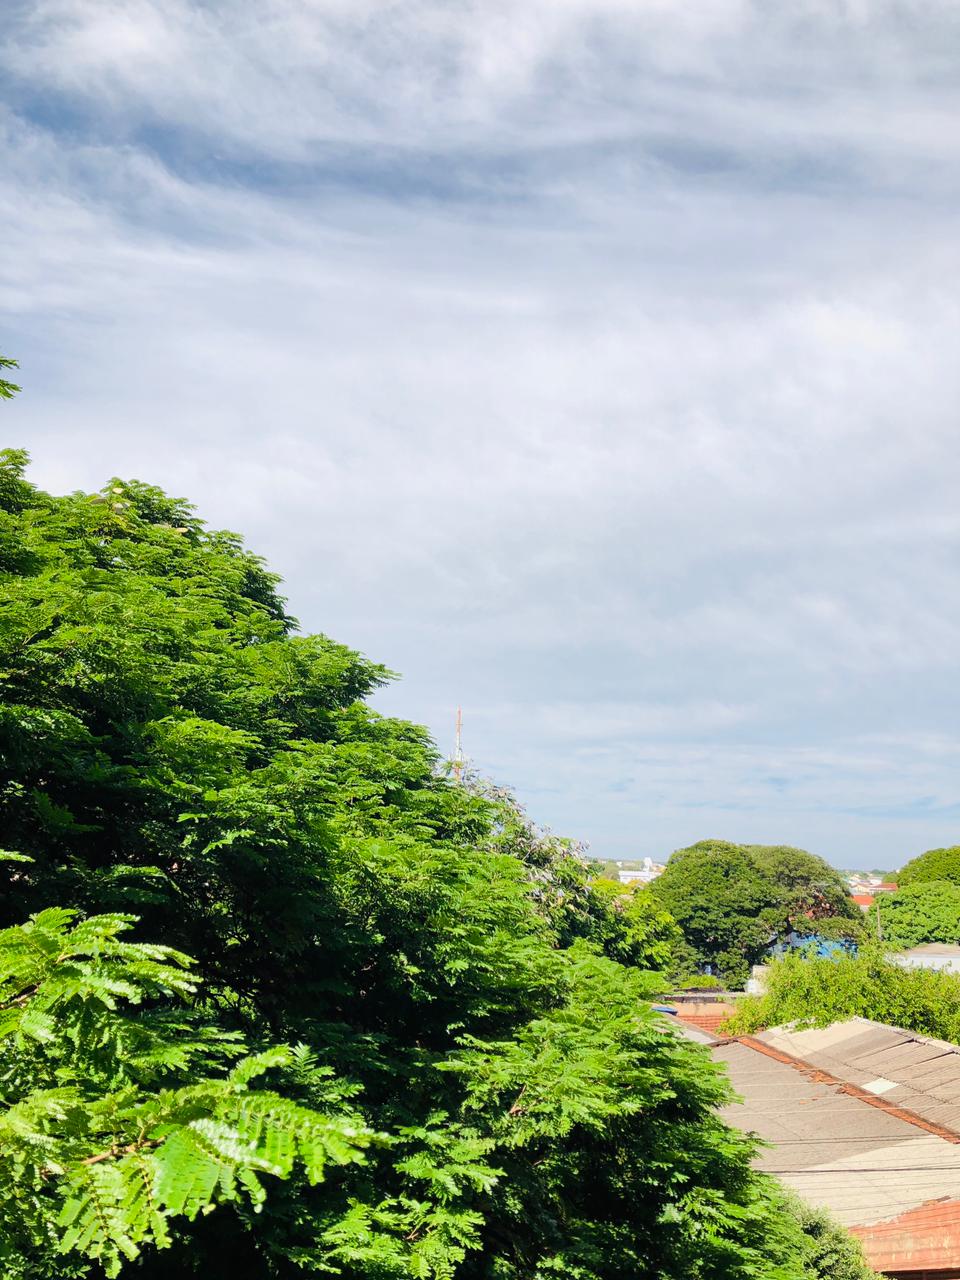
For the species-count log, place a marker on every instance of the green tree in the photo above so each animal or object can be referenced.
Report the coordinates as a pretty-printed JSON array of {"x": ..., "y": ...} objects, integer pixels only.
[
  {"x": 809, "y": 887},
  {"x": 117, "y": 1114},
  {"x": 172, "y": 748},
  {"x": 726, "y": 908},
  {"x": 732, "y": 902},
  {"x": 633, "y": 926},
  {"x": 935, "y": 864},
  {"x": 922, "y": 911}
]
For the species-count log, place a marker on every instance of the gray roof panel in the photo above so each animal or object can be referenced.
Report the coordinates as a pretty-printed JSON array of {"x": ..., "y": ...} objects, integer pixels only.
[{"x": 861, "y": 1162}]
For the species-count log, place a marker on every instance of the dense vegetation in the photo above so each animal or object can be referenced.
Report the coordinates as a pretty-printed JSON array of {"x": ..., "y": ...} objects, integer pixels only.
[
  {"x": 816, "y": 992},
  {"x": 935, "y": 864},
  {"x": 732, "y": 902},
  {"x": 385, "y": 1032},
  {"x": 921, "y": 911}
]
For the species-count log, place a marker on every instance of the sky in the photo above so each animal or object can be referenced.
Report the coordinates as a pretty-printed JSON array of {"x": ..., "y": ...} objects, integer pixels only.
[{"x": 591, "y": 363}]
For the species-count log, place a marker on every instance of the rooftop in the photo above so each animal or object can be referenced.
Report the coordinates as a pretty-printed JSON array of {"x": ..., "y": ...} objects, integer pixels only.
[
  {"x": 933, "y": 949},
  {"x": 863, "y": 1120},
  {"x": 916, "y": 1073}
]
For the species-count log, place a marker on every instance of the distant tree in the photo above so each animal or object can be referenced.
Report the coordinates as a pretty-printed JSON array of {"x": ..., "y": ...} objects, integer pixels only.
[
  {"x": 921, "y": 911},
  {"x": 733, "y": 901},
  {"x": 726, "y": 907},
  {"x": 809, "y": 886},
  {"x": 935, "y": 864}
]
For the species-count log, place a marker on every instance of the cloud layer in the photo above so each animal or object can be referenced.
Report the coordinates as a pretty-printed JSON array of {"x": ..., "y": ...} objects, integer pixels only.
[{"x": 590, "y": 363}]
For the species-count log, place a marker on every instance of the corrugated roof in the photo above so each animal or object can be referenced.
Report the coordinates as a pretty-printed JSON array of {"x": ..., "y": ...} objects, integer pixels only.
[
  {"x": 864, "y": 1164},
  {"x": 923, "y": 1241},
  {"x": 915, "y": 1072}
]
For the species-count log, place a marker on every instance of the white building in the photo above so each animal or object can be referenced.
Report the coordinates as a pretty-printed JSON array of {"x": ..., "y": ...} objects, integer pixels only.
[{"x": 647, "y": 871}]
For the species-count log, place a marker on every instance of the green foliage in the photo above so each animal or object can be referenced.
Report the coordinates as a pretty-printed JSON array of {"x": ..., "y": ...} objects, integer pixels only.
[
  {"x": 110, "y": 1123},
  {"x": 832, "y": 1253},
  {"x": 632, "y": 925},
  {"x": 809, "y": 887},
  {"x": 8, "y": 389},
  {"x": 922, "y": 911},
  {"x": 935, "y": 864},
  {"x": 732, "y": 902},
  {"x": 497, "y": 1100},
  {"x": 567, "y": 887},
  {"x": 726, "y": 908},
  {"x": 816, "y": 992}
]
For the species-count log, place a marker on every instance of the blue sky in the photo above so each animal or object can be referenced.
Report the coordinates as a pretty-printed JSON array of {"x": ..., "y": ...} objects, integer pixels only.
[{"x": 591, "y": 363}]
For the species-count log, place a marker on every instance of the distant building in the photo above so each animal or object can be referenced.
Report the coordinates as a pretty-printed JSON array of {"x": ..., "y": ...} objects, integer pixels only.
[
  {"x": 869, "y": 885},
  {"x": 863, "y": 1120},
  {"x": 648, "y": 870},
  {"x": 812, "y": 944},
  {"x": 705, "y": 1010}
]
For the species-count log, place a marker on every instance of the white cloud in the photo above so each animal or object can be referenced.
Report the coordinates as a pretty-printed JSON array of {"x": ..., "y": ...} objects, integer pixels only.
[{"x": 591, "y": 363}]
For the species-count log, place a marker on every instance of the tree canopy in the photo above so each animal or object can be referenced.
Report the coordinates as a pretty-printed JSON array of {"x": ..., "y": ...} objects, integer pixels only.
[
  {"x": 935, "y": 864},
  {"x": 808, "y": 886},
  {"x": 372, "y": 1014},
  {"x": 725, "y": 906},
  {"x": 732, "y": 902},
  {"x": 922, "y": 911}
]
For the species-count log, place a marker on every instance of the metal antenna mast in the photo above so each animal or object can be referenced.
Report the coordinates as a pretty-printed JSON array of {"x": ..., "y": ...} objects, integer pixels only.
[{"x": 458, "y": 760}]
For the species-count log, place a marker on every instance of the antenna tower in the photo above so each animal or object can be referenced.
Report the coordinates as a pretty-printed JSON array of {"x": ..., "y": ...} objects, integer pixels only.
[{"x": 458, "y": 760}]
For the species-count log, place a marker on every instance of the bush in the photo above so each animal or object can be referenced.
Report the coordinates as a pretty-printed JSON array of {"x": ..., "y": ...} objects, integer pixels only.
[{"x": 815, "y": 992}]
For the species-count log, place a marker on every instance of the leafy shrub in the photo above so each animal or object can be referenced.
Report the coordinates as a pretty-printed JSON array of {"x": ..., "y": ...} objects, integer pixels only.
[
  {"x": 815, "y": 992},
  {"x": 833, "y": 1254}
]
